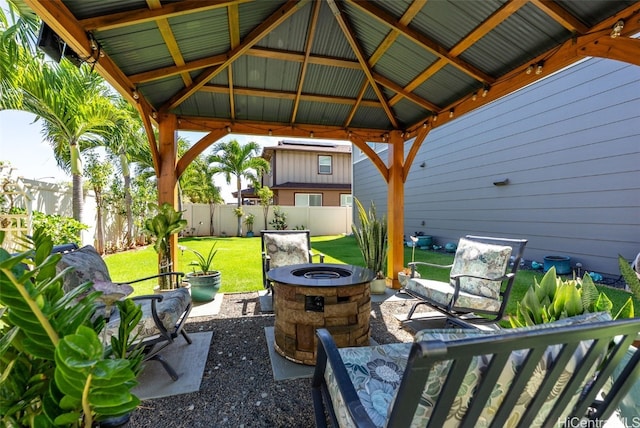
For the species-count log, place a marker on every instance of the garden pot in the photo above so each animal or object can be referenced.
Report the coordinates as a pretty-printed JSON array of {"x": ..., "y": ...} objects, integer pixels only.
[
  {"x": 425, "y": 241},
  {"x": 378, "y": 286},
  {"x": 250, "y": 234},
  {"x": 204, "y": 287},
  {"x": 561, "y": 263}
]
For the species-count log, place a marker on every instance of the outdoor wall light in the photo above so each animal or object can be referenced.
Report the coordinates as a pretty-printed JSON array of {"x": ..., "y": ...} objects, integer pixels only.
[
  {"x": 423, "y": 164},
  {"x": 529, "y": 69},
  {"x": 539, "y": 67},
  {"x": 502, "y": 182},
  {"x": 617, "y": 29}
]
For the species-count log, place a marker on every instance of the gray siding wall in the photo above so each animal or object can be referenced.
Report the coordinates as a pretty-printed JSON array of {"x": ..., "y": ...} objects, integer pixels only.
[{"x": 570, "y": 147}]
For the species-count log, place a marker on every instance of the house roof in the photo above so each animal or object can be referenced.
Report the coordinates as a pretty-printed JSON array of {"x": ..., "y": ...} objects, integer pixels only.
[
  {"x": 315, "y": 186},
  {"x": 306, "y": 146},
  {"x": 332, "y": 68}
]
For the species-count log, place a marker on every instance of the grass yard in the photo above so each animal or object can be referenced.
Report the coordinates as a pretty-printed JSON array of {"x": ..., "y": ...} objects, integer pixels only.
[{"x": 239, "y": 261}]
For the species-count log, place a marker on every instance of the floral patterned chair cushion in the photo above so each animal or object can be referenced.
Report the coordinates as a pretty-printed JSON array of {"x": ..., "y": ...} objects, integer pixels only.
[
  {"x": 87, "y": 265},
  {"x": 286, "y": 249},
  {"x": 483, "y": 260},
  {"x": 376, "y": 372},
  {"x": 174, "y": 303},
  {"x": 472, "y": 258}
]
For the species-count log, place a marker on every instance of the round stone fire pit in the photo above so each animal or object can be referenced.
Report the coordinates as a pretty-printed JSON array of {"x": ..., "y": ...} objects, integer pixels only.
[{"x": 311, "y": 296}]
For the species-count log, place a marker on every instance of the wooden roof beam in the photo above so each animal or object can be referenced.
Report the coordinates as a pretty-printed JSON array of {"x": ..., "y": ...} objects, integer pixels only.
[
  {"x": 355, "y": 46},
  {"x": 234, "y": 36},
  {"x": 140, "y": 16},
  {"x": 257, "y": 34},
  {"x": 561, "y": 16},
  {"x": 384, "y": 17},
  {"x": 305, "y": 62}
]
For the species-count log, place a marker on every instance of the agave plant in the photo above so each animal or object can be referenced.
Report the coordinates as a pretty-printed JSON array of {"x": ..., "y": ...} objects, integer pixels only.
[
  {"x": 554, "y": 298},
  {"x": 371, "y": 237},
  {"x": 55, "y": 369}
]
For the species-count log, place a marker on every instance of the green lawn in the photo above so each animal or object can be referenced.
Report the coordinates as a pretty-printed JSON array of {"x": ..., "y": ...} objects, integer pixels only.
[{"x": 239, "y": 261}]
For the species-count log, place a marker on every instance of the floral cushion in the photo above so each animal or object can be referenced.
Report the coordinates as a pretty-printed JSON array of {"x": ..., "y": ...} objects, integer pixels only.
[
  {"x": 169, "y": 310},
  {"x": 441, "y": 293},
  {"x": 286, "y": 249},
  {"x": 376, "y": 373},
  {"x": 88, "y": 266},
  {"x": 483, "y": 260}
]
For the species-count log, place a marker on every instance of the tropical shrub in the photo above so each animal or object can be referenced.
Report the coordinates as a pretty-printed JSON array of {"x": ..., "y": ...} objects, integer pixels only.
[
  {"x": 55, "y": 368},
  {"x": 554, "y": 298}
]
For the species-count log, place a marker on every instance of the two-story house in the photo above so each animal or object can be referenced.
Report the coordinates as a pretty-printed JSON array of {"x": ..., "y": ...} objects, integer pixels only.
[{"x": 309, "y": 173}]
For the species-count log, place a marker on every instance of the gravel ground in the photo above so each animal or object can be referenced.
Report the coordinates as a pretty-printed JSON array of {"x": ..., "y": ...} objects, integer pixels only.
[{"x": 238, "y": 389}]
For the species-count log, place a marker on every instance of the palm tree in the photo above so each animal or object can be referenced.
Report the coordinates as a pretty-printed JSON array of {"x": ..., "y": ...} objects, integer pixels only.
[
  {"x": 76, "y": 111},
  {"x": 197, "y": 184},
  {"x": 98, "y": 174},
  {"x": 127, "y": 140},
  {"x": 240, "y": 161}
]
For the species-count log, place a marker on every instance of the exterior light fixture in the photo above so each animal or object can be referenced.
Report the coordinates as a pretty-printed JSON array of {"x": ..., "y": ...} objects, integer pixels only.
[
  {"x": 474, "y": 96},
  {"x": 135, "y": 95},
  {"x": 435, "y": 117},
  {"x": 311, "y": 134},
  {"x": 450, "y": 113},
  {"x": 154, "y": 115},
  {"x": 529, "y": 69},
  {"x": 485, "y": 91},
  {"x": 270, "y": 133},
  {"x": 94, "y": 45},
  {"x": 539, "y": 67},
  {"x": 617, "y": 29},
  {"x": 228, "y": 128}
]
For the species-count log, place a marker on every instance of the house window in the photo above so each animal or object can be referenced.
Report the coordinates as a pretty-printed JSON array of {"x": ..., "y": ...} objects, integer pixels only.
[
  {"x": 308, "y": 200},
  {"x": 324, "y": 164},
  {"x": 346, "y": 200}
]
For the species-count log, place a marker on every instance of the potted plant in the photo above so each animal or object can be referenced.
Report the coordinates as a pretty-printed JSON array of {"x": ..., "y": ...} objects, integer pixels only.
[
  {"x": 248, "y": 220},
  {"x": 56, "y": 370},
  {"x": 371, "y": 236},
  {"x": 161, "y": 226},
  {"x": 205, "y": 283}
]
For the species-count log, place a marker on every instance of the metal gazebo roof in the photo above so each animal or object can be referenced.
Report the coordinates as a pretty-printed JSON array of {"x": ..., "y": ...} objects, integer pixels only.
[{"x": 354, "y": 70}]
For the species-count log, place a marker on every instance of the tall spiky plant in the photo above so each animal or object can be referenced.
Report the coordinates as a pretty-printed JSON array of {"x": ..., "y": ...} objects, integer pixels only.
[{"x": 371, "y": 236}]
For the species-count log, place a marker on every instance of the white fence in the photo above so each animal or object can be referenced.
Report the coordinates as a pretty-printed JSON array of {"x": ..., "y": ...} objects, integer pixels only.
[
  {"x": 319, "y": 220},
  {"x": 56, "y": 199}
]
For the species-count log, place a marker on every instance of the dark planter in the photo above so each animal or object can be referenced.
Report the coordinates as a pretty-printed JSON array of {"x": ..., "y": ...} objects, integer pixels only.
[
  {"x": 561, "y": 263},
  {"x": 250, "y": 234},
  {"x": 204, "y": 287}
]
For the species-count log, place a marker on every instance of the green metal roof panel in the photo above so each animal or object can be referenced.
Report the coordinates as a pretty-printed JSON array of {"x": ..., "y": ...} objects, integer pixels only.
[
  {"x": 83, "y": 9},
  {"x": 593, "y": 11},
  {"x": 157, "y": 92},
  {"x": 271, "y": 109},
  {"x": 371, "y": 117},
  {"x": 319, "y": 113},
  {"x": 205, "y": 104},
  {"x": 445, "y": 86},
  {"x": 393, "y": 63},
  {"x": 266, "y": 73},
  {"x": 325, "y": 41},
  {"x": 408, "y": 112},
  {"x": 335, "y": 81},
  {"x": 201, "y": 35}
]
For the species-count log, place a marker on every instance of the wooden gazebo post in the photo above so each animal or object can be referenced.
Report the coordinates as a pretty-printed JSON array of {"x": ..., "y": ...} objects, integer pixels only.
[
  {"x": 166, "y": 173},
  {"x": 395, "y": 207}
]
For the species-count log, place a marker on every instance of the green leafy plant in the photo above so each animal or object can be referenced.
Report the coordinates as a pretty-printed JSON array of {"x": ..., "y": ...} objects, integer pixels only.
[
  {"x": 55, "y": 369},
  {"x": 554, "y": 298},
  {"x": 161, "y": 226},
  {"x": 204, "y": 263},
  {"x": 371, "y": 236},
  {"x": 279, "y": 221},
  {"x": 630, "y": 276},
  {"x": 248, "y": 220}
]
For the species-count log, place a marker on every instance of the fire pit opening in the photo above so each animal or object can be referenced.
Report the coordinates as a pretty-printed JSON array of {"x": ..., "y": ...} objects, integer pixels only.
[{"x": 321, "y": 272}]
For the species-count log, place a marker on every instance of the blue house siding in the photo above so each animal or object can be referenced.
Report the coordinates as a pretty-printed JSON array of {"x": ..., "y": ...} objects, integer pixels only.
[{"x": 570, "y": 148}]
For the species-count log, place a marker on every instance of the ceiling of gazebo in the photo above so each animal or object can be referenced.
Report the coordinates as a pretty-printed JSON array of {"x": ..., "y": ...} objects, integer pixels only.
[{"x": 331, "y": 68}]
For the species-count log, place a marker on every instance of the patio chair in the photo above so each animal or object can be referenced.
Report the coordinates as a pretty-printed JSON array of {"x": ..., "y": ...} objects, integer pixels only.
[
  {"x": 482, "y": 275},
  {"x": 163, "y": 315},
  {"x": 285, "y": 248},
  {"x": 542, "y": 376}
]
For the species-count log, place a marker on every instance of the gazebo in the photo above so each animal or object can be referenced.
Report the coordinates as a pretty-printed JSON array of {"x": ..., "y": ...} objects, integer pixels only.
[{"x": 364, "y": 71}]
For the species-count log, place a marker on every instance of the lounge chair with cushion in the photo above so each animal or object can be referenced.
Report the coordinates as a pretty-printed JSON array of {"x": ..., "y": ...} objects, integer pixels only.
[
  {"x": 163, "y": 315},
  {"x": 284, "y": 248},
  {"x": 542, "y": 376},
  {"x": 482, "y": 275}
]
